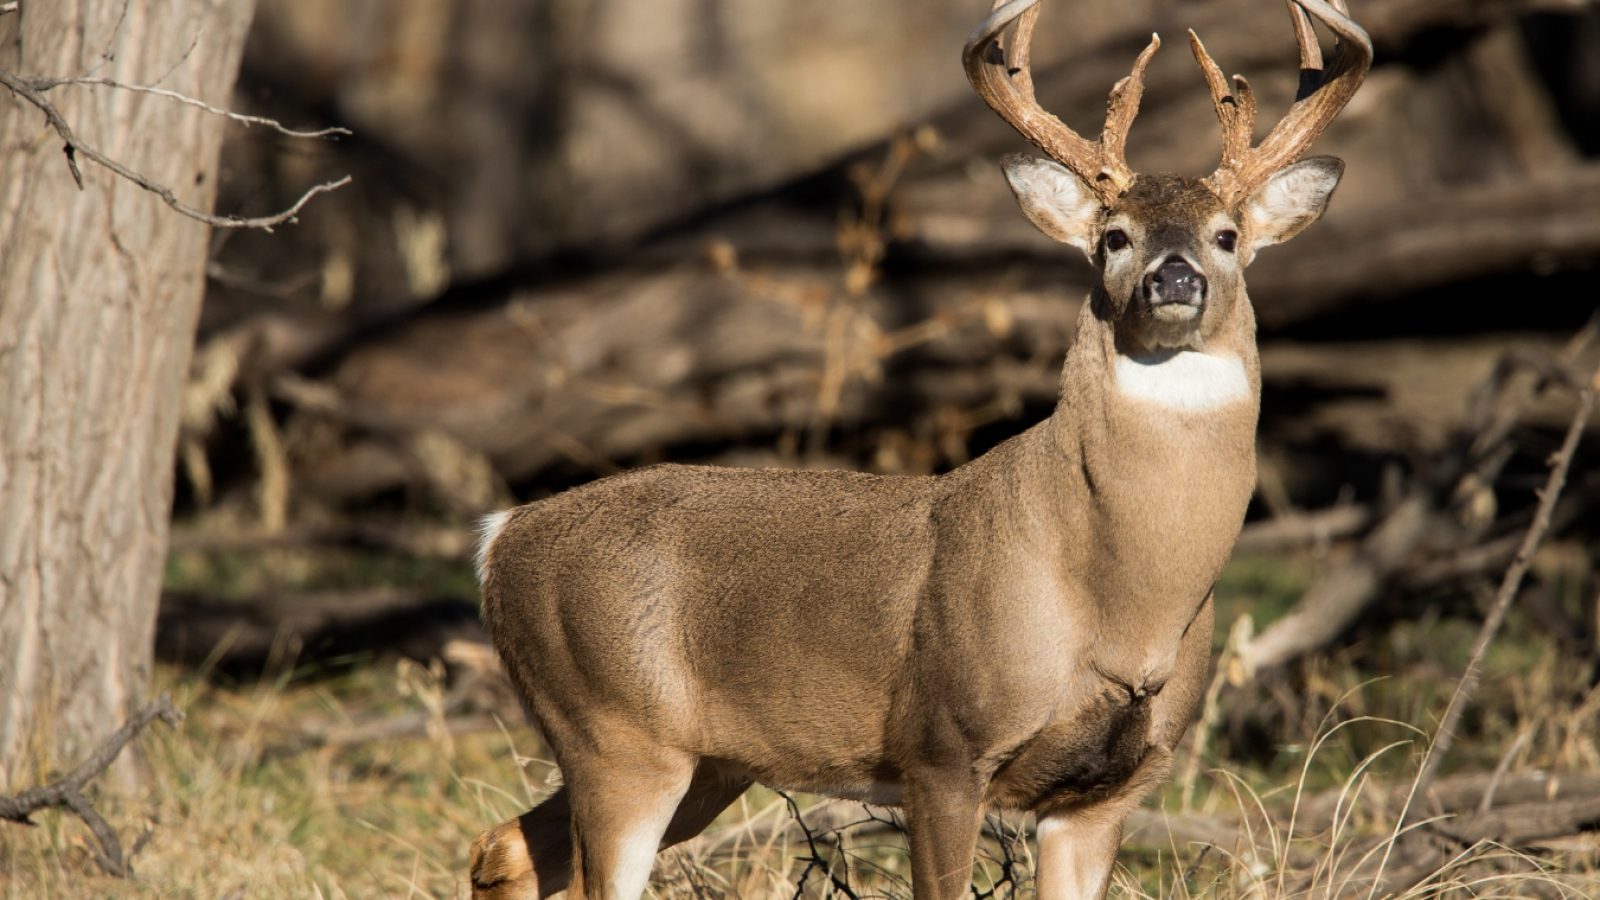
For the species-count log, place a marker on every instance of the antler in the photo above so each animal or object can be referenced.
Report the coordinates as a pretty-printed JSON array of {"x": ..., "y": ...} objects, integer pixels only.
[
  {"x": 1323, "y": 93},
  {"x": 1003, "y": 78}
]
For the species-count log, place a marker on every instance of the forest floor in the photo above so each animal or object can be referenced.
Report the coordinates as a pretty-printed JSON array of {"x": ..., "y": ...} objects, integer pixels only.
[{"x": 236, "y": 802}]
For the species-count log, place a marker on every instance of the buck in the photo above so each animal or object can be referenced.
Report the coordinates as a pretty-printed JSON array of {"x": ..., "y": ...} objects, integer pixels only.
[{"x": 1030, "y": 631}]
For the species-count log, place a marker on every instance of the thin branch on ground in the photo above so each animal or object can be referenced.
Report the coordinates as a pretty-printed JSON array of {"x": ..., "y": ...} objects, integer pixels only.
[
  {"x": 30, "y": 90},
  {"x": 67, "y": 792},
  {"x": 1189, "y": 873}
]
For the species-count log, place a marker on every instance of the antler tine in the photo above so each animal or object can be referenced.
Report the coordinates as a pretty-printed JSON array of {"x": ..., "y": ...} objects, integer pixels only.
[
  {"x": 1306, "y": 37},
  {"x": 1003, "y": 77},
  {"x": 1236, "y": 110},
  {"x": 1123, "y": 104},
  {"x": 1020, "y": 51},
  {"x": 1324, "y": 92}
]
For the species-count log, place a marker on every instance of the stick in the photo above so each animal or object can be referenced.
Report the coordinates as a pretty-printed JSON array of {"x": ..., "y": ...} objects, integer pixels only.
[
  {"x": 67, "y": 792},
  {"x": 1509, "y": 585},
  {"x": 1559, "y": 464}
]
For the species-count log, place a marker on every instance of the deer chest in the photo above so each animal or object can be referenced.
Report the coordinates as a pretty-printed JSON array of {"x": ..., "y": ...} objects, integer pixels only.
[{"x": 1083, "y": 757}]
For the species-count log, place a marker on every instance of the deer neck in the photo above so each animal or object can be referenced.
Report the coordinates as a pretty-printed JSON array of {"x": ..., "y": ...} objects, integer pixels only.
[
  {"x": 1151, "y": 458},
  {"x": 1180, "y": 394}
]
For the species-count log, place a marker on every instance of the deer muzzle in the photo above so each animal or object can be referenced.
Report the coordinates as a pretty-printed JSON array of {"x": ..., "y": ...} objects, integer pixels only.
[{"x": 1175, "y": 281}]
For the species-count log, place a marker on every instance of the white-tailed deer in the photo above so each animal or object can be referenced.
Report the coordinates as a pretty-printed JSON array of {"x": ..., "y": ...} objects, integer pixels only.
[{"x": 1028, "y": 632}]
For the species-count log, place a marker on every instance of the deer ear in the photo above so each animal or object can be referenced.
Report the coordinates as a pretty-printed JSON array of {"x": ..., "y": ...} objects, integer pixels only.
[
  {"x": 1293, "y": 198},
  {"x": 1056, "y": 201}
]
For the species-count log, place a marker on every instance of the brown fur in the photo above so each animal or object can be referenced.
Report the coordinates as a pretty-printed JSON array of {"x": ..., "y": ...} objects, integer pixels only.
[{"x": 1029, "y": 632}]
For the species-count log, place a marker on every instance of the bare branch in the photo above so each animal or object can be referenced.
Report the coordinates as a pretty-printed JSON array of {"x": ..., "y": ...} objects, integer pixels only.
[
  {"x": 25, "y": 89},
  {"x": 67, "y": 792},
  {"x": 43, "y": 85}
]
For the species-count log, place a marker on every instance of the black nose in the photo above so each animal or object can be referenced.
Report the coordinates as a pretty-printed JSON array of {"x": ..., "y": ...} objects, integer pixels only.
[{"x": 1175, "y": 281}]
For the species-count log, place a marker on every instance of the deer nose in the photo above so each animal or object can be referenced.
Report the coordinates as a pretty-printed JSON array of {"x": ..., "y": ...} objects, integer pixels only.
[{"x": 1175, "y": 281}]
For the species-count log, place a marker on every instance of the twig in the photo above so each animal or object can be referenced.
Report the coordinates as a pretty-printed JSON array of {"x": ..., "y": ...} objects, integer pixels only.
[
  {"x": 25, "y": 89},
  {"x": 1302, "y": 528},
  {"x": 1190, "y": 872},
  {"x": 815, "y": 859},
  {"x": 1445, "y": 735},
  {"x": 1503, "y": 767},
  {"x": 67, "y": 792},
  {"x": 42, "y": 85},
  {"x": 1007, "y": 838}
]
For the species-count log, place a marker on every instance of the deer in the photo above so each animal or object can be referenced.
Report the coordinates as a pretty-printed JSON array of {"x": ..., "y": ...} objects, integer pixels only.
[{"x": 1030, "y": 631}]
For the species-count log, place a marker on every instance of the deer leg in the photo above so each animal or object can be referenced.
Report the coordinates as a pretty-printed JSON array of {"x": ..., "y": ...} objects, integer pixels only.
[
  {"x": 943, "y": 814},
  {"x": 1076, "y": 853},
  {"x": 709, "y": 794},
  {"x": 621, "y": 808},
  {"x": 1078, "y": 842},
  {"x": 530, "y": 856}
]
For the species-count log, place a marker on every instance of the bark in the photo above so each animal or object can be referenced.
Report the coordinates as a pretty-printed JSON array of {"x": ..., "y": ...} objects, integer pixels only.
[{"x": 99, "y": 294}]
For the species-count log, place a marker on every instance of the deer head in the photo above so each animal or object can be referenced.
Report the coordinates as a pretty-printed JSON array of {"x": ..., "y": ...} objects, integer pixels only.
[{"x": 1171, "y": 250}]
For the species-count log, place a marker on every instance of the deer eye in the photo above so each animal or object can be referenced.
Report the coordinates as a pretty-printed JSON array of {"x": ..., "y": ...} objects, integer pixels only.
[
  {"x": 1227, "y": 238},
  {"x": 1116, "y": 239}
]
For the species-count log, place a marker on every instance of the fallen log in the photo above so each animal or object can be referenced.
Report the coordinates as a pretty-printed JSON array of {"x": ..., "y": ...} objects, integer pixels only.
[
  {"x": 1431, "y": 511},
  {"x": 269, "y": 631}
]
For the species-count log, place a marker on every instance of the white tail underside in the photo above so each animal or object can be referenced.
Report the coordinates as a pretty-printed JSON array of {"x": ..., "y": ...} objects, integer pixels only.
[{"x": 489, "y": 528}]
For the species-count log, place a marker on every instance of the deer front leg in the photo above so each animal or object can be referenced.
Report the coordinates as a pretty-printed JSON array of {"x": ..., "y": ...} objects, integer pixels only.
[
  {"x": 943, "y": 814},
  {"x": 1077, "y": 843},
  {"x": 1076, "y": 853}
]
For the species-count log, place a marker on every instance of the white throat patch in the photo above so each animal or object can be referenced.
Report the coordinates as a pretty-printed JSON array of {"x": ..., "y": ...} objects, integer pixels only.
[{"x": 1186, "y": 380}]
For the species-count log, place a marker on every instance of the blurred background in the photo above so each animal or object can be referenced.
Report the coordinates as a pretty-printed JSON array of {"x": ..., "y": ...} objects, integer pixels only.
[
  {"x": 589, "y": 235},
  {"x": 586, "y": 236}
]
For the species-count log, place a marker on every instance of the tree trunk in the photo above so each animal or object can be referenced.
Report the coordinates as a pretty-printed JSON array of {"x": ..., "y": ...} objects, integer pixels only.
[{"x": 99, "y": 293}]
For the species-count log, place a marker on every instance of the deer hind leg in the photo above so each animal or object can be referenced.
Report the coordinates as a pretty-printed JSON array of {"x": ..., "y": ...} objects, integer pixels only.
[
  {"x": 531, "y": 856},
  {"x": 621, "y": 807},
  {"x": 528, "y": 857},
  {"x": 1076, "y": 854}
]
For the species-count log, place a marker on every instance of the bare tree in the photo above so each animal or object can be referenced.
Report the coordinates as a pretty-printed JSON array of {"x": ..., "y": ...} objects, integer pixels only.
[{"x": 100, "y": 288}]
